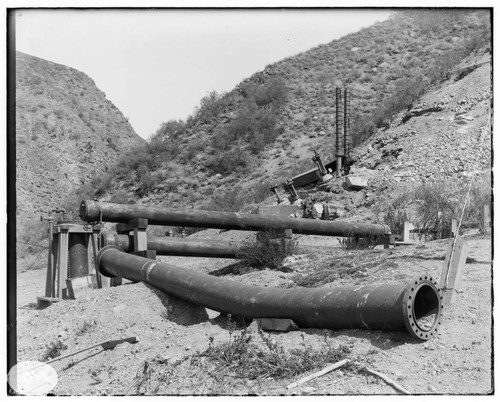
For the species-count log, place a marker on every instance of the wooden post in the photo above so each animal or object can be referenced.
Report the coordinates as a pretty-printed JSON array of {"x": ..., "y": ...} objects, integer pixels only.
[
  {"x": 407, "y": 226},
  {"x": 451, "y": 274},
  {"x": 454, "y": 226},
  {"x": 62, "y": 272},
  {"x": 486, "y": 219}
]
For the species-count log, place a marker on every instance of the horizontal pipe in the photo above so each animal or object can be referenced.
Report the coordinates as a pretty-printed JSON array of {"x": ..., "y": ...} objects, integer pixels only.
[
  {"x": 176, "y": 246},
  {"x": 193, "y": 247},
  {"x": 415, "y": 307},
  {"x": 95, "y": 211}
]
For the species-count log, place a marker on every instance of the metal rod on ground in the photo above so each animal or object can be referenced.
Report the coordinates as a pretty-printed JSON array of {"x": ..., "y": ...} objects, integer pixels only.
[
  {"x": 90, "y": 210},
  {"x": 194, "y": 247},
  {"x": 110, "y": 344},
  {"x": 414, "y": 307}
]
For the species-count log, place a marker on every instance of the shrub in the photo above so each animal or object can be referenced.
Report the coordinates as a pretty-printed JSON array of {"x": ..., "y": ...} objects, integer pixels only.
[
  {"x": 72, "y": 202},
  {"x": 171, "y": 129},
  {"x": 211, "y": 106},
  {"x": 267, "y": 359},
  {"x": 256, "y": 126},
  {"x": 268, "y": 251},
  {"x": 273, "y": 93},
  {"x": 230, "y": 200},
  {"x": 146, "y": 182},
  {"x": 431, "y": 207},
  {"x": 121, "y": 197},
  {"x": 54, "y": 350},
  {"x": 229, "y": 162},
  {"x": 359, "y": 243}
]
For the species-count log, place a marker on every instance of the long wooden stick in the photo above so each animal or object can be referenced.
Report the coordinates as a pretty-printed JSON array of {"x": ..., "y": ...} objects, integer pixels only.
[
  {"x": 318, "y": 374},
  {"x": 387, "y": 380}
]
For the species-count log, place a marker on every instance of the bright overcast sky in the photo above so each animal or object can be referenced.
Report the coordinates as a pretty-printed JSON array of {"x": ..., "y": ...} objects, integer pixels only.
[{"x": 156, "y": 65}]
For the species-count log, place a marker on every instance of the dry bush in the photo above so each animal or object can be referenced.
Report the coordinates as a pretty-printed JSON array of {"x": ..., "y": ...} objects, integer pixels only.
[
  {"x": 266, "y": 359},
  {"x": 431, "y": 207},
  {"x": 54, "y": 350},
  {"x": 268, "y": 252}
]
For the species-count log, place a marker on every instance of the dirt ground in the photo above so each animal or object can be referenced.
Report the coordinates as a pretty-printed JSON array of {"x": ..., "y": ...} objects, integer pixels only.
[{"x": 459, "y": 360}]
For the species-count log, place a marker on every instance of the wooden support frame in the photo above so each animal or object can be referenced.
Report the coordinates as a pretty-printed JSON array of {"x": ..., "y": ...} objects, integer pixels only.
[
  {"x": 60, "y": 250},
  {"x": 138, "y": 226}
]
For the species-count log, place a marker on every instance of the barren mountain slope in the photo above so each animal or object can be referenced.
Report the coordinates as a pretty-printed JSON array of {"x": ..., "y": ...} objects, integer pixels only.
[
  {"x": 66, "y": 133},
  {"x": 394, "y": 61}
]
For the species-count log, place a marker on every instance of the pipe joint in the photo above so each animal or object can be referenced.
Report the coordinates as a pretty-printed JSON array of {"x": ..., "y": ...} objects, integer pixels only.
[{"x": 102, "y": 267}]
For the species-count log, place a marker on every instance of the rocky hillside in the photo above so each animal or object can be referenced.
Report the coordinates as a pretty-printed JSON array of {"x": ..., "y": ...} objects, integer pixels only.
[
  {"x": 265, "y": 131},
  {"x": 66, "y": 133}
]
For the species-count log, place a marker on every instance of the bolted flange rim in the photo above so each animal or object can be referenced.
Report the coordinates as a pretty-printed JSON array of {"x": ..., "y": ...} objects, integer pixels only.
[{"x": 422, "y": 295}]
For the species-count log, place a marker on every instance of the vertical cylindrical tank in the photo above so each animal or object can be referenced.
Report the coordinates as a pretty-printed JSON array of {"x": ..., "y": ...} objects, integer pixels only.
[
  {"x": 347, "y": 122},
  {"x": 78, "y": 262}
]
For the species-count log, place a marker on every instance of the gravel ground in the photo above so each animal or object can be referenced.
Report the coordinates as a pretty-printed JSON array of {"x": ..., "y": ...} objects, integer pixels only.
[{"x": 457, "y": 361}]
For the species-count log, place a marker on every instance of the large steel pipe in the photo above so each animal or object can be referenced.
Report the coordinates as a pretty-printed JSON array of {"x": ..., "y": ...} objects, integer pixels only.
[
  {"x": 176, "y": 246},
  {"x": 193, "y": 247},
  {"x": 415, "y": 307},
  {"x": 93, "y": 211}
]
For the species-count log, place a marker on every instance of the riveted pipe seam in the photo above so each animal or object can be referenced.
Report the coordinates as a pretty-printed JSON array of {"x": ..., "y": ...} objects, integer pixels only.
[{"x": 376, "y": 307}]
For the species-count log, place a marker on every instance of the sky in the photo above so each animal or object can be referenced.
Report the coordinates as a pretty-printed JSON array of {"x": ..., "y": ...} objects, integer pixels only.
[{"x": 156, "y": 65}]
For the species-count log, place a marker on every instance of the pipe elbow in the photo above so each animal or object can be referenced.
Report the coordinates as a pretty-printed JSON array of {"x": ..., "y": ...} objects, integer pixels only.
[{"x": 100, "y": 265}]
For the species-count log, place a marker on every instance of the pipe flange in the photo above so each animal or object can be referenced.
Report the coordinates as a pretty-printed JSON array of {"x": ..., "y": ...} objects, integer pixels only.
[
  {"x": 101, "y": 269},
  {"x": 422, "y": 307}
]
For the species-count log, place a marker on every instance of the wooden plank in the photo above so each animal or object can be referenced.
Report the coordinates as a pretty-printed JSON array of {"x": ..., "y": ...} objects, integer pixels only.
[
  {"x": 451, "y": 275},
  {"x": 140, "y": 239},
  {"x": 407, "y": 226},
  {"x": 62, "y": 273},
  {"x": 75, "y": 228}
]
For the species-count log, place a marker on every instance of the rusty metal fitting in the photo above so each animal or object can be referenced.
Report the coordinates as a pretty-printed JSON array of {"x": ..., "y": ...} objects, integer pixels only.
[
  {"x": 319, "y": 163},
  {"x": 288, "y": 186},
  {"x": 274, "y": 189}
]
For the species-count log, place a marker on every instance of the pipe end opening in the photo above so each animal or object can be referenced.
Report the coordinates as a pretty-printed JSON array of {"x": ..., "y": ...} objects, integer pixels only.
[{"x": 423, "y": 308}]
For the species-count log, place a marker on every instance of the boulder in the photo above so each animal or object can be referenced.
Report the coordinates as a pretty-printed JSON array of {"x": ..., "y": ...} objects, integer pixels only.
[
  {"x": 356, "y": 182},
  {"x": 317, "y": 211}
]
